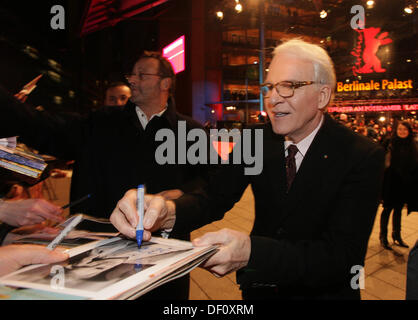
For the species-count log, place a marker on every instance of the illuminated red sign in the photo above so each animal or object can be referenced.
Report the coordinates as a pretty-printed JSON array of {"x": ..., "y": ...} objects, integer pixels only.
[
  {"x": 99, "y": 14},
  {"x": 368, "y": 43},
  {"x": 174, "y": 52},
  {"x": 223, "y": 148},
  {"x": 391, "y": 107}
]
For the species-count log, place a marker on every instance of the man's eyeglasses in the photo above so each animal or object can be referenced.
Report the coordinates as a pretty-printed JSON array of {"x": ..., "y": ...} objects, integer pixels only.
[
  {"x": 141, "y": 75},
  {"x": 285, "y": 89}
]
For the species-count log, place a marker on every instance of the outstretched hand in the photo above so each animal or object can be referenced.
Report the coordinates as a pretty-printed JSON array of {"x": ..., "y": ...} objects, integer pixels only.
[
  {"x": 19, "y": 213},
  {"x": 13, "y": 257}
]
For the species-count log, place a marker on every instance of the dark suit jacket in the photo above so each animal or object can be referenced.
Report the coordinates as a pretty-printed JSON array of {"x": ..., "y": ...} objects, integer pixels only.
[
  {"x": 304, "y": 243},
  {"x": 412, "y": 274}
]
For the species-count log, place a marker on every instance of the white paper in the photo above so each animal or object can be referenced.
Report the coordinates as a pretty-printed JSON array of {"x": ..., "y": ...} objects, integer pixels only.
[{"x": 113, "y": 268}]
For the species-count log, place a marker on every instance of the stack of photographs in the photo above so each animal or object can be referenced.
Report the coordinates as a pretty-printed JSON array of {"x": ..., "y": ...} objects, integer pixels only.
[{"x": 111, "y": 269}]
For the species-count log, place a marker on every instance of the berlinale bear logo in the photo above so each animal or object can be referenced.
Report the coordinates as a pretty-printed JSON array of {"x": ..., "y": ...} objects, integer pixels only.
[{"x": 368, "y": 43}]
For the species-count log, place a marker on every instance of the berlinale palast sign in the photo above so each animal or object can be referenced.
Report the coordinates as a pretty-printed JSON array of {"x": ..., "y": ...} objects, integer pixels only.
[{"x": 384, "y": 84}]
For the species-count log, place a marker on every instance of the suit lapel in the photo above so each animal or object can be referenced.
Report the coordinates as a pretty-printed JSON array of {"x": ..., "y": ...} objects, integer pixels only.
[
  {"x": 130, "y": 111},
  {"x": 274, "y": 162},
  {"x": 309, "y": 178}
]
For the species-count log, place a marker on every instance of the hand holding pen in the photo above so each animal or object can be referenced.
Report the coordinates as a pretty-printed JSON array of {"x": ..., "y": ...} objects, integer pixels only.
[
  {"x": 159, "y": 214},
  {"x": 72, "y": 223},
  {"x": 139, "y": 232}
]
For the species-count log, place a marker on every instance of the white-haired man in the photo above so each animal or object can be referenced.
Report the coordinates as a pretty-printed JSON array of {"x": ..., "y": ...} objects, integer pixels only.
[{"x": 315, "y": 201}]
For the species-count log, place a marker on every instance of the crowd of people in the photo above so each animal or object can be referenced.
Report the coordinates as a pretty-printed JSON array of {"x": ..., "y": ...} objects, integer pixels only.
[{"x": 378, "y": 131}]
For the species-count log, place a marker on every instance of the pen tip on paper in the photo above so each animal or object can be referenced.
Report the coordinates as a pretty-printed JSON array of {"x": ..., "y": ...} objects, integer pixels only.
[{"x": 139, "y": 234}]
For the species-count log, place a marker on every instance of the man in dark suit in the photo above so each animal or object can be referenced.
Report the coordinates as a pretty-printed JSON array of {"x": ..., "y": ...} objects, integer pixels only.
[{"x": 315, "y": 200}]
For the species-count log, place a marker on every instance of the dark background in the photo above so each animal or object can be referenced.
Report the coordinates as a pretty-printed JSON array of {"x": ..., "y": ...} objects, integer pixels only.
[{"x": 86, "y": 64}]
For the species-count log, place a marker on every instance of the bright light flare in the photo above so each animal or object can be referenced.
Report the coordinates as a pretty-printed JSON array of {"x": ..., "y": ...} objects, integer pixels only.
[
  {"x": 408, "y": 10},
  {"x": 238, "y": 7}
]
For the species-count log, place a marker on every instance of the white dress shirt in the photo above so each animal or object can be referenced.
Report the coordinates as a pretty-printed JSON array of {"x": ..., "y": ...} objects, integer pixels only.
[
  {"x": 144, "y": 121},
  {"x": 303, "y": 145},
  {"x": 143, "y": 117}
]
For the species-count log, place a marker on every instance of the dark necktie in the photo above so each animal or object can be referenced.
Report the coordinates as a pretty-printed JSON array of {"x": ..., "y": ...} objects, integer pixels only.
[{"x": 291, "y": 165}]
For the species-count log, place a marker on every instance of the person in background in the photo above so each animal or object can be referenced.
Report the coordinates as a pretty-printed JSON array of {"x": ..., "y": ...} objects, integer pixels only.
[
  {"x": 382, "y": 135},
  {"x": 400, "y": 182},
  {"x": 117, "y": 94},
  {"x": 371, "y": 131},
  {"x": 362, "y": 131},
  {"x": 343, "y": 119}
]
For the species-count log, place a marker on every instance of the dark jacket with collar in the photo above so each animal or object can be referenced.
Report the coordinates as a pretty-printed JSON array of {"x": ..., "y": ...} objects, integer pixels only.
[{"x": 305, "y": 242}]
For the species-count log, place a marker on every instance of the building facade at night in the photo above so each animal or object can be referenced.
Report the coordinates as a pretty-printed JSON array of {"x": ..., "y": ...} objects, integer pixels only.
[{"x": 227, "y": 50}]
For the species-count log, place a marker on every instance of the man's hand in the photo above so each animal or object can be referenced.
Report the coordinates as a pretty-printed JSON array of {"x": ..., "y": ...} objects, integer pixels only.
[
  {"x": 171, "y": 194},
  {"x": 233, "y": 254},
  {"x": 29, "y": 211},
  {"x": 159, "y": 214},
  {"x": 13, "y": 257}
]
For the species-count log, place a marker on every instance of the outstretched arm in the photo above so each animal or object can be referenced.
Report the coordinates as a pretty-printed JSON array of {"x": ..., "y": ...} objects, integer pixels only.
[
  {"x": 13, "y": 257},
  {"x": 54, "y": 134}
]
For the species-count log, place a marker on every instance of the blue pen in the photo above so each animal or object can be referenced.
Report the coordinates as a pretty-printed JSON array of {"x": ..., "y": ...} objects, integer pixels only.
[{"x": 140, "y": 209}]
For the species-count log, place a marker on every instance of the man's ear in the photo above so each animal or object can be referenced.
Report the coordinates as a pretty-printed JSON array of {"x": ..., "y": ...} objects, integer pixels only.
[
  {"x": 324, "y": 96},
  {"x": 165, "y": 84}
]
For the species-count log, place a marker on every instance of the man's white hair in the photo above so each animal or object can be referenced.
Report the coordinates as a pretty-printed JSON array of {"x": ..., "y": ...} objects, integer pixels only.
[{"x": 322, "y": 63}]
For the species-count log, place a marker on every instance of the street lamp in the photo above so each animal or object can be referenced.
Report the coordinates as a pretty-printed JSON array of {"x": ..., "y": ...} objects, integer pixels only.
[
  {"x": 370, "y": 3},
  {"x": 408, "y": 10},
  {"x": 238, "y": 7}
]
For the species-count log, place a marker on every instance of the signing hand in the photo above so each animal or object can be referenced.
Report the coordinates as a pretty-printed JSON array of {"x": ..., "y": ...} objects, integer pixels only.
[
  {"x": 171, "y": 194},
  {"x": 233, "y": 254},
  {"x": 159, "y": 214},
  {"x": 29, "y": 211},
  {"x": 13, "y": 257}
]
